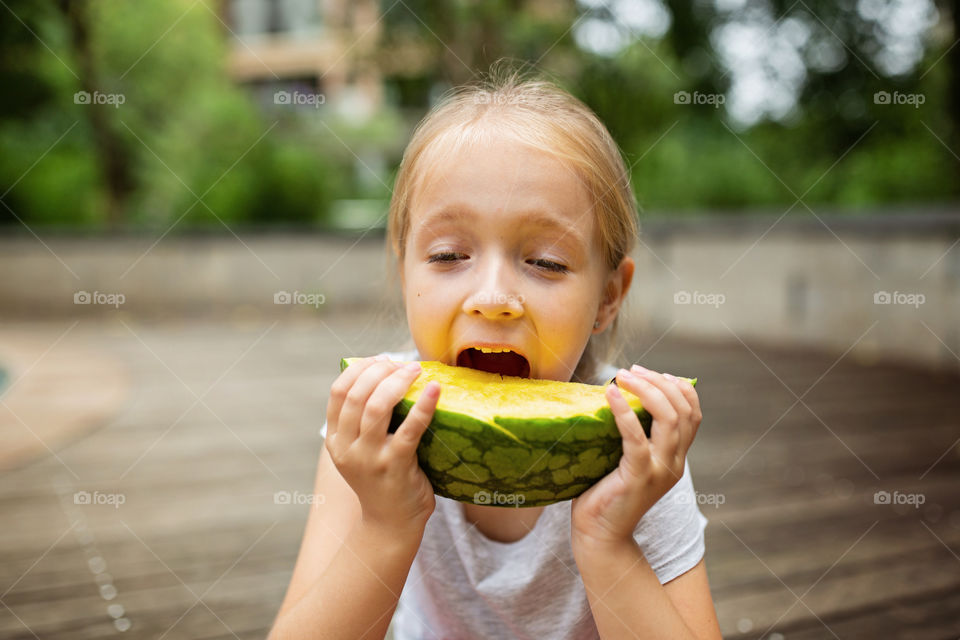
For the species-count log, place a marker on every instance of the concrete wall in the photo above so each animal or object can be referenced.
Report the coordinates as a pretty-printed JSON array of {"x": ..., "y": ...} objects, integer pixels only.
[
  {"x": 809, "y": 282},
  {"x": 189, "y": 275},
  {"x": 794, "y": 281}
]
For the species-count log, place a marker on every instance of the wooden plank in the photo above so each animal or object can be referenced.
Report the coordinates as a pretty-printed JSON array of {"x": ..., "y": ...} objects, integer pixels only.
[
  {"x": 200, "y": 498},
  {"x": 799, "y": 444},
  {"x": 841, "y": 595},
  {"x": 927, "y": 615}
]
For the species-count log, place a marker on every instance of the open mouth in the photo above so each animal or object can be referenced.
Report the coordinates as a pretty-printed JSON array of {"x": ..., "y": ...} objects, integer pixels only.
[{"x": 505, "y": 362}]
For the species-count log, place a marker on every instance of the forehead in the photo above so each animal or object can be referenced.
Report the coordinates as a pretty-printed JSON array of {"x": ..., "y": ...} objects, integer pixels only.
[{"x": 510, "y": 184}]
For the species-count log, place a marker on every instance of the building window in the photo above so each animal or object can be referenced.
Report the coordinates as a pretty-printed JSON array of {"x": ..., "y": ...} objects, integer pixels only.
[{"x": 289, "y": 17}]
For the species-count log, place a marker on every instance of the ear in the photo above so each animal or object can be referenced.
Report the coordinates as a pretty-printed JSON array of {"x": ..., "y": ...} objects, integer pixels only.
[{"x": 614, "y": 293}]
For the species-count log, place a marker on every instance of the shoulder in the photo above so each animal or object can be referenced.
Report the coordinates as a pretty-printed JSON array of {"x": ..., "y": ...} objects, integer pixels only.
[
  {"x": 606, "y": 373},
  {"x": 671, "y": 533},
  {"x": 676, "y": 508}
]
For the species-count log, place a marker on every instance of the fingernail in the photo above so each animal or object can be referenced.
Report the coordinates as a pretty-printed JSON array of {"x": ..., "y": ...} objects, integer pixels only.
[
  {"x": 638, "y": 369},
  {"x": 623, "y": 373},
  {"x": 413, "y": 366},
  {"x": 671, "y": 377}
]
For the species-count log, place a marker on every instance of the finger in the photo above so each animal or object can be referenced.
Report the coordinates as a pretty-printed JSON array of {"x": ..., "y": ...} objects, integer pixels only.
[
  {"x": 341, "y": 386},
  {"x": 673, "y": 449},
  {"x": 692, "y": 423},
  {"x": 664, "y": 436},
  {"x": 407, "y": 436},
  {"x": 668, "y": 385},
  {"x": 636, "y": 446},
  {"x": 380, "y": 404},
  {"x": 690, "y": 393},
  {"x": 669, "y": 388},
  {"x": 356, "y": 400}
]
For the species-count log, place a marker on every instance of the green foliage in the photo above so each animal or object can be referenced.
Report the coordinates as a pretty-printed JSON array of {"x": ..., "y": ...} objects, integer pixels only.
[
  {"x": 200, "y": 150},
  {"x": 691, "y": 157}
]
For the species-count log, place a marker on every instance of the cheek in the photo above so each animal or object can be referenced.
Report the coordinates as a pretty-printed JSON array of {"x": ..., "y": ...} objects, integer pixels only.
[
  {"x": 429, "y": 307},
  {"x": 564, "y": 317},
  {"x": 426, "y": 294},
  {"x": 424, "y": 306},
  {"x": 564, "y": 305}
]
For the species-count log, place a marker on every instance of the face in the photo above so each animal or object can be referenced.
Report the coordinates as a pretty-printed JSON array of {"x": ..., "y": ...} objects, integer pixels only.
[{"x": 502, "y": 253}]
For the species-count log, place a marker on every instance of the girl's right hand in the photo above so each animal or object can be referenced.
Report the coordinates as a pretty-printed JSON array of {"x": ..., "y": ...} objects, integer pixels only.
[{"x": 380, "y": 467}]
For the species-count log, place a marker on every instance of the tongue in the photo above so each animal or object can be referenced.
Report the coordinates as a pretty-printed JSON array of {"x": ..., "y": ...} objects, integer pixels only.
[{"x": 506, "y": 364}]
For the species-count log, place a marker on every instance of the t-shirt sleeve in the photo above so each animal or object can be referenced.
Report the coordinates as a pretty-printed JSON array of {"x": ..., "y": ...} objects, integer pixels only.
[{"x": 670, "y": 534}]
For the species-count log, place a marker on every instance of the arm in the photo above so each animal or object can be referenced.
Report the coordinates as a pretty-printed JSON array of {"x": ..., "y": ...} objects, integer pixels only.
[
  {"x": 625, "y": 595},
  {"x": 348, "y": 575},
  {"x": 628, "y": 601},
  {"x": 362, "y": 537}
]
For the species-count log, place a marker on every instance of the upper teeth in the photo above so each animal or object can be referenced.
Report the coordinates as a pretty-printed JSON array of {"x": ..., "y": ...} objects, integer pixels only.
[{"x": 493, "y": 349}]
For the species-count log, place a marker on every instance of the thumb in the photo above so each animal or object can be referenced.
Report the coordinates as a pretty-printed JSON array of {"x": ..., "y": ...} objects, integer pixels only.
[{"x": 636, "y": 445}]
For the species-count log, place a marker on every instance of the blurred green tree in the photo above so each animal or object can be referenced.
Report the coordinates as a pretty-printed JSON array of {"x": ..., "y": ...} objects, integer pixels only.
[
  {"x": 822, "y": 135},
  {"x": 794, "y": 105},
  {"x": 157, "y": 131}
]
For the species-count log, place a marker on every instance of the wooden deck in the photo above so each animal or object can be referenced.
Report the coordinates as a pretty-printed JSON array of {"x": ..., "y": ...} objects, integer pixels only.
[{"x": 218, "y": 417}]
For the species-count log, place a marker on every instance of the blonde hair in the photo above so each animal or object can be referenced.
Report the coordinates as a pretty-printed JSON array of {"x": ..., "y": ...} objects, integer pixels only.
[{"x": 541, "y": 115}]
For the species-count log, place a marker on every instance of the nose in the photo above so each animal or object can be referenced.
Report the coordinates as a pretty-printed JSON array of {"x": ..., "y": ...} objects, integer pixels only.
[{"x": 495, "y": 297}]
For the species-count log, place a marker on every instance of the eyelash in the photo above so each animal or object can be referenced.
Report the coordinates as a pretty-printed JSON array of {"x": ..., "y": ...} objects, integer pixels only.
[
  {"x": 547, "y": 265},
  {"x": 550, "y": 265},
  {"x": 445, "y": 256}
]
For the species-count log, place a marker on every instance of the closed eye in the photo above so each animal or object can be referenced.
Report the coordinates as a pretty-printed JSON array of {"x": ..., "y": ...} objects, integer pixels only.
[
  {"x": 446, "y": 256},
  {"x": 453, "y": 256},
  {"x": 549, "y": 265}
]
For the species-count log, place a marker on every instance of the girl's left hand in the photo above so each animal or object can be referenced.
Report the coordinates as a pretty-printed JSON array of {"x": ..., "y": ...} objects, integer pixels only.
[{"x": 608, "y": 512}]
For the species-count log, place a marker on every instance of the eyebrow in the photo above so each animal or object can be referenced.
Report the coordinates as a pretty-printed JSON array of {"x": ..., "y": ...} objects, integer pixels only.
[
  {"x": 531, "y": 218},
  {"x": 448, "y": 214}
]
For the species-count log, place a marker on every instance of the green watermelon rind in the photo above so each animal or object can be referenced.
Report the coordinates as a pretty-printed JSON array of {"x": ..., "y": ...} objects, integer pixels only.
[{"x": 519, "y": 462}]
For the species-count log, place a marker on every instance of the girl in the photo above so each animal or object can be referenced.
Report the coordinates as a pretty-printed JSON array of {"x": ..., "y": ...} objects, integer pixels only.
[{"x": 512, "y": 221}]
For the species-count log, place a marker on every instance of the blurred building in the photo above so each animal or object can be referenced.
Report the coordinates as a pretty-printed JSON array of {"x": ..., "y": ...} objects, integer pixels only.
[{"x": 315, "y": 47}]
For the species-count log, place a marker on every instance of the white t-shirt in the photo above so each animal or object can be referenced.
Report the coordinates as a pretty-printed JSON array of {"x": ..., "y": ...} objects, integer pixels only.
[{"x": 465, "y": 585}]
